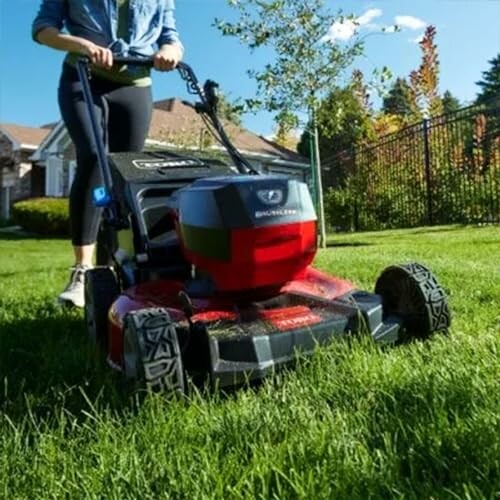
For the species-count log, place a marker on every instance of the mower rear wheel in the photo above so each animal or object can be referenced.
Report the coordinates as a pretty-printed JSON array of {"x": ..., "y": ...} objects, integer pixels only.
[
  {"x": 101, "y": 290},
  {"x": 106, "y": 245},
  {"x": 151, "y": 352},
  {"x": 412, "y": 292}
]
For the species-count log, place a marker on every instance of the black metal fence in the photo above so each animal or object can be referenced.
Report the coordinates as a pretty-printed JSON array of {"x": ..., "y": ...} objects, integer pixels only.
[{"x": 442, "y": 170}]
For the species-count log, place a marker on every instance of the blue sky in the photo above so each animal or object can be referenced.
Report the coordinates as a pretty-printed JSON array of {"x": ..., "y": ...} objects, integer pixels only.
[{"x": 468, "y": 35}]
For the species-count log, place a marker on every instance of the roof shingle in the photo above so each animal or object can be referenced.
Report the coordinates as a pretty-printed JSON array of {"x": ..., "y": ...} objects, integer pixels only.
[
  {"x": 178, "y": 123},
  {"x": 30, "y": 136}
]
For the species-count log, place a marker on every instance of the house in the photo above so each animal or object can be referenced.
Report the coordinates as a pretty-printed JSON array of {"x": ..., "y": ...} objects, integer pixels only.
[
  {"x": 17, "y": 178},
  {"x": 175, "y": 126}
]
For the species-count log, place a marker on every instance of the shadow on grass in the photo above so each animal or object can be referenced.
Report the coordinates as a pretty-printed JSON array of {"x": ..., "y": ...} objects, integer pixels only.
[
  {"x": 437, "y": 229},
  {"x": 15, "y": 236},
  {"x": 48, "y": 365},
  {"x": 334, "y": 244}
]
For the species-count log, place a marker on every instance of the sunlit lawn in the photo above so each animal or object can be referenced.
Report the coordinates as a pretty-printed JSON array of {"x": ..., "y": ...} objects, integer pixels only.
[{"x": 354, "y": 421}]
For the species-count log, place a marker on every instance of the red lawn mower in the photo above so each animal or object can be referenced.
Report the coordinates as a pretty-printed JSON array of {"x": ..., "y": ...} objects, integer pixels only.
[{"x": 210, "y": 274}]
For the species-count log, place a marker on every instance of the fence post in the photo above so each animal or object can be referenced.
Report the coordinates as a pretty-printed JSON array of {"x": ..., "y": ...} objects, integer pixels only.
[
  {"x": 428, "y": 176},
  {"x": 356, "y": 202}
]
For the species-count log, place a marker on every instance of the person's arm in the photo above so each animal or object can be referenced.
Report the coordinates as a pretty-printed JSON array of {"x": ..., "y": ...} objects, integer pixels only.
[
  {"x": 53, "y": 38},
  {"x": 47, "y": 27},
  {"x": 168, "y": 57},
  {"x": 171, "y": 49}
]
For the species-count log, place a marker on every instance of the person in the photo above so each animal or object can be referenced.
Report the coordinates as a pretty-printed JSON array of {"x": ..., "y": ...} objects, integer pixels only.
[{"x": 101, "y": 30}]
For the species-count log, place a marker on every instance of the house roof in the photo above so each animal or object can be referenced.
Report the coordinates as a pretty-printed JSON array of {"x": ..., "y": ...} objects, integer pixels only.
[
  {"x": 176, "y": 122},
  {"x": 25, "y": 137}
]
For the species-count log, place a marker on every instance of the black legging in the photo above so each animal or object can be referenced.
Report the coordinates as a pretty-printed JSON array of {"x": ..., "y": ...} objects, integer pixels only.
[{"x": 124, "y": 113}]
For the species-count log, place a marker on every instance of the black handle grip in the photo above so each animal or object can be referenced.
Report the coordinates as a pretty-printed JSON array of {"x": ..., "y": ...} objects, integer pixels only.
[
  {"x": 142, "y": 61},
  {"x": 134, "y": 61},
  {"x": 146, "y": 62}
]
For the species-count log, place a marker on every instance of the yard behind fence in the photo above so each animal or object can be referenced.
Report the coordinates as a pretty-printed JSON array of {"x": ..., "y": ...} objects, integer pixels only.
[{"x": 443, "y": 170}]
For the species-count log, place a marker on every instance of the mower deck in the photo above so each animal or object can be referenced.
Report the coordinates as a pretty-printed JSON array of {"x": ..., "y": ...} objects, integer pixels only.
[{"x": 234, "y": 340}]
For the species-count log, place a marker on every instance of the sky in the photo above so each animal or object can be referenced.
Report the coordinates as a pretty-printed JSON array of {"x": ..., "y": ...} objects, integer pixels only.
[{"x": 468, "y": 36}]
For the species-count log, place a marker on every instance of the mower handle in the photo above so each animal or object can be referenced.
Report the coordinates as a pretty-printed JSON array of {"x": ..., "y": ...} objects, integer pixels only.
[
  {"x": 134, "y": 61},
  {"x": 145, "y": 62},
  {"x": 207, "y": 108}
]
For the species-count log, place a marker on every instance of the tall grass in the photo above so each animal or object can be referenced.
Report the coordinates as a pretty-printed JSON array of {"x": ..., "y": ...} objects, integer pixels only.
[{"x": 353, "y": 421}]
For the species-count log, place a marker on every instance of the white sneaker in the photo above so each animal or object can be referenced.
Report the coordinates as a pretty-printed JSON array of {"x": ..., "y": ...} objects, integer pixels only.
[{"x": 74, "y": 293}]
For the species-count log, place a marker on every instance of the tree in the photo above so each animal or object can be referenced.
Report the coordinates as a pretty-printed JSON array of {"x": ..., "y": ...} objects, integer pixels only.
[
  {"x": 384, "y": 124},
  {"x": 424, "y": 82},
  {"x": 229, "y": 110},
  {"x": 397, "y": 101},
  {"x": 284, "y": 135},
  {"x": 450, "y": 102},
  {"x": 344, "y": 119},
  {"x": 307, "y": 60},
  {"x": 346, "y": 122},
  {"x": 490, "y": 84}
]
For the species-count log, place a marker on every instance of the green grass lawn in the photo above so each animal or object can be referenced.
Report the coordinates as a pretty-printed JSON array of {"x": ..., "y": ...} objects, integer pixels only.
[{"x": 353, "y": 421}]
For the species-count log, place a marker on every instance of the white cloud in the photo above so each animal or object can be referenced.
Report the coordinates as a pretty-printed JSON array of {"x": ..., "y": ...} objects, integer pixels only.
[
  {"x": 410, "y": 22},
  {"x": 345, "y": 30},
  {"x": 368, "y": 16},
  {"x": 340, "y": 31}
]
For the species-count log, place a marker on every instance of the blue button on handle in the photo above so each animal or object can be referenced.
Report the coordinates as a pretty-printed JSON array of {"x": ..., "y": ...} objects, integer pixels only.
[{"x": 101, "y": 197}]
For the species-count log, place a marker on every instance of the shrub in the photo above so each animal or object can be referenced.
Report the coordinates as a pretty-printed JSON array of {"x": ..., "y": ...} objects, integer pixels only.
[
  {"x": 44, "y": 216},
  {"x": 339, "y": 209}
]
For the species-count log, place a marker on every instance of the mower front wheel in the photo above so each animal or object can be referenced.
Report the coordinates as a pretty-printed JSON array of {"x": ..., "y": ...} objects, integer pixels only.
[
  {"x": 412, "y": 293},
  {"x": 151, "y": 352}
]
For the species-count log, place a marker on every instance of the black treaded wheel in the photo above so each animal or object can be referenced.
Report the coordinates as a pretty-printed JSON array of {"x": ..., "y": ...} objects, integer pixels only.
[
  {"x": 151, "y": 353},
  {"x": 106, "y": 245},
  {"x": 413, "y": 293},
  {"x": 101, "y": 290}
]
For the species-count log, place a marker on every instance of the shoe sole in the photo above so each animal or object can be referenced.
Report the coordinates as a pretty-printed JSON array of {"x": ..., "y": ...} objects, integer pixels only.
[{"x": 69, "y": 303}]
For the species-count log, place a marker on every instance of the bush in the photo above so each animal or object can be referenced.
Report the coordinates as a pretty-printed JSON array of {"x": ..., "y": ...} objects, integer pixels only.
[
  {"x": 44, "y": 216},
  {"x": 339, "y": 209}
]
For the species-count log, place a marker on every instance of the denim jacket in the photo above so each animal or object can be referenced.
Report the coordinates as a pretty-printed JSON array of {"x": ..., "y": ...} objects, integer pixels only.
[{"x": 151, "y": 24}]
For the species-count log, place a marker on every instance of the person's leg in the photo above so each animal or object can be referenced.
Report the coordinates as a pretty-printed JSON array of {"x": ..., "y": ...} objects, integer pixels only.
[
  {"x": 129, "y": 115},
  {"x": 84, "y": 216},
  {"x": 130, "y": 110}
]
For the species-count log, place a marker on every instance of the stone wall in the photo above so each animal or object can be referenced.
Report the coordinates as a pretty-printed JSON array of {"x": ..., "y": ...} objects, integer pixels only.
[{"x": 15, "y": 174}]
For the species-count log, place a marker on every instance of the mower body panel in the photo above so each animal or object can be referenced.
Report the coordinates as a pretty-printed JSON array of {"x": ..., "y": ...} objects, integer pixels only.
[
  {"x": 247, "y": 339},
  {"x": 238, "y": 249},
  {"x": 247, "y": 232}
]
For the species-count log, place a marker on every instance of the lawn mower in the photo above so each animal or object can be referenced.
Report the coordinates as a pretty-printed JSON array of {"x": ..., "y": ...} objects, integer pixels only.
[{"x": 210, "y": 277}]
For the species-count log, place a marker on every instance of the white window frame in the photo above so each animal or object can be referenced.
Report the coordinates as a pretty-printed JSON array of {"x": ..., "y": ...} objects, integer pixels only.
[
  {"x": 71, "y": 173},
  {"x": 54, "y": 177}
]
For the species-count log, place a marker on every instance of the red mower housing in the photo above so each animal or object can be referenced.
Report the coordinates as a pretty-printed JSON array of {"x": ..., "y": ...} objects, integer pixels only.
[{"x": 247, "y": 232}]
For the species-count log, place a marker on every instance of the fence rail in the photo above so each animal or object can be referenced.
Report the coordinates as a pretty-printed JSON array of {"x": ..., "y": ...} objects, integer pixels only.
[{"x": 443, "y": 170}]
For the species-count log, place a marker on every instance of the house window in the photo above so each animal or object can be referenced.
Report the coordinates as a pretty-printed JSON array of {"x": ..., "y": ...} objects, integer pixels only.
[
  {"x": 54, "y": 180},
  {"x": 4, "y": 202},
  {"x": 60, "y": 181}
]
